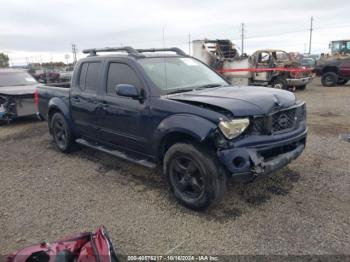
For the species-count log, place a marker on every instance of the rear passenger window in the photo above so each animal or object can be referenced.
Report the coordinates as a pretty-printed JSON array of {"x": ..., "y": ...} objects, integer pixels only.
[
  {"x": 83, "y": 76},
  {"x": 121, "y": 74},
  {"x": 92, "y": 74}
]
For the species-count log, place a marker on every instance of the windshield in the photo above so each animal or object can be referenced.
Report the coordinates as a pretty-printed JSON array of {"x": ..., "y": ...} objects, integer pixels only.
[
  {"x": 177, "y": 74},
  {"x": 341, "y": 46},
  {"x": 281, "y": 56},
  {"x": 15, "y": 78}
]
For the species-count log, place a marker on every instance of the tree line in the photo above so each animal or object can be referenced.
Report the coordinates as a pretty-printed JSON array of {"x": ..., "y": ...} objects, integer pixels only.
[{"x": 4, "y": 60}]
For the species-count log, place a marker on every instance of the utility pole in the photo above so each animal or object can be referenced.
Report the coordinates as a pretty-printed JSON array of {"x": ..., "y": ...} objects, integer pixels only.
[
  {"x": 189, "y": 44},
  {"x": 242, "y": 37},
  {"x": 311, "y": 29},
  {"x": 74, "y": 51}
]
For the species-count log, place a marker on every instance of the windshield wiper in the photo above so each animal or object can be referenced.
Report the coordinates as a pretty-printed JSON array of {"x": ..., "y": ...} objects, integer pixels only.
[
  {"x": 195, "y": 88},
  {"x": 181, "y": 90},
  {"x": 209, "y": 86}
]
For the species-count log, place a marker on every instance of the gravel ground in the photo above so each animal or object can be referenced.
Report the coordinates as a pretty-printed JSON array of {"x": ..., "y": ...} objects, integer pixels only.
[{"x": 304, "y": 209}]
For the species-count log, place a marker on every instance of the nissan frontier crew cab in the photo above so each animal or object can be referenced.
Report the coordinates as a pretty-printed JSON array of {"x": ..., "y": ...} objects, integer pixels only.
[{"x": 161, "y": 107}]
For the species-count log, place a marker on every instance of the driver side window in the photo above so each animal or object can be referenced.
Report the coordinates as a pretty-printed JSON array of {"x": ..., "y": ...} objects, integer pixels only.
[
  {"x": 264, "y": 57},
  {"x": 119, "y": 73}
]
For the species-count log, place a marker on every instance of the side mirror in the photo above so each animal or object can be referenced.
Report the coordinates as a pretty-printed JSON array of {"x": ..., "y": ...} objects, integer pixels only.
[{"x": 127, "y": 91}]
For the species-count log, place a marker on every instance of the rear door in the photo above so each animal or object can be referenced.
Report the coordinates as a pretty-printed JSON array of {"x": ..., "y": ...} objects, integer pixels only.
[
  {"x": 123, "y": 120},
  {"x": 83, "y": 98}
]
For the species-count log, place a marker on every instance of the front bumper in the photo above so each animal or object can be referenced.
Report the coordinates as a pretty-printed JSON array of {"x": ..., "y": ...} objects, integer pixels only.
[
  {"x": 17, "y": 106},
  {"x": 249, "y": 162},
  {"x": 299, "y": 81}
]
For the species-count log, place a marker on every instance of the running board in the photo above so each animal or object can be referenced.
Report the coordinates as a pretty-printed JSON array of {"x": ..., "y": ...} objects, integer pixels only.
[{"x": 142, "y": 162}]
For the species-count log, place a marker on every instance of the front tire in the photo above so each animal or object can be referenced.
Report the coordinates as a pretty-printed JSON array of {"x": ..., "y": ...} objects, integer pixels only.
[
  {"x": 280, "y": 83},
  {"x": 61, "y": 133},
  {"x": 329, "y": 79},
  {"x": 194, "y": 176}
]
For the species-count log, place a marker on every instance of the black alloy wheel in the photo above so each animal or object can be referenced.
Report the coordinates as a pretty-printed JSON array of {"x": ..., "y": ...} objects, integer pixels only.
[
  {"x": 187, "y": 178},
  {"x": 61, "y": 133},
  {"x": 194, "y": 174}
]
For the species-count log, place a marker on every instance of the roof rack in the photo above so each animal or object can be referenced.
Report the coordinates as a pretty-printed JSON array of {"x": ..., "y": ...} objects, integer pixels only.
[
  {"x": 130, "y": 50},
  {"x": 127, "y": 49},
  {"x": 171, "y": 49}
]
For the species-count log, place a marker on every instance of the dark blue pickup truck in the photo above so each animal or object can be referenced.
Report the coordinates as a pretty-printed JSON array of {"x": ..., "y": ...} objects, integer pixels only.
[{"x": 160, "y": 107}]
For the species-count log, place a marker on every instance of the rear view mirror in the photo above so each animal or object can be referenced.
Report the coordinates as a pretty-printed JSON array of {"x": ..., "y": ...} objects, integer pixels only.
[{"x": 127, "y": 91}]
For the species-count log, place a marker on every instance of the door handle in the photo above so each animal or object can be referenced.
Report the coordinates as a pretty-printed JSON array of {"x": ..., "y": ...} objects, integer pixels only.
[
  {"x": 104, "y": 105},
  {"x": 76, "y": 99}
]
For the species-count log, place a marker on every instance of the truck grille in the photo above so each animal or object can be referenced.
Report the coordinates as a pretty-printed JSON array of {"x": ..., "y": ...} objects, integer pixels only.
[
  {"x": 278, "y": 122},
  {"x": 283, "y": 120},
  {"x": 257, "y": 126}
]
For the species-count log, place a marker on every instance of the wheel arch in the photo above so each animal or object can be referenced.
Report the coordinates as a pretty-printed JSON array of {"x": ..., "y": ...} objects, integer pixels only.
[
  {"x": 56, "y": 105},
  {"x": 180, "y": 128},
  {"x": 327, "y": 69}
]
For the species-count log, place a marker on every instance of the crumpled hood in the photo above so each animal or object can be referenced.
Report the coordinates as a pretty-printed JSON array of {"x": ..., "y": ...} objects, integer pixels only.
[
  {"x": 241, "y": 101},
  {"x": 18, "y": 90}
]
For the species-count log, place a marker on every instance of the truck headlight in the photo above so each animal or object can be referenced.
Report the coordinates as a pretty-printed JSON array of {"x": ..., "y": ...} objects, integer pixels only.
[{"x": 233, "y": 128}]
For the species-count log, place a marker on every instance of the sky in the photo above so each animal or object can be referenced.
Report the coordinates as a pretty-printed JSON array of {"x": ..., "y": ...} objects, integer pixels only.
[{"x": 43, "y": 31}]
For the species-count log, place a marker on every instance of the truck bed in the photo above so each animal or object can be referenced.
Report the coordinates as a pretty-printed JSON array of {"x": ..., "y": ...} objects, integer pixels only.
[
  {"x": 48, "y": 91},
  {"x": 60, "y": 85}
]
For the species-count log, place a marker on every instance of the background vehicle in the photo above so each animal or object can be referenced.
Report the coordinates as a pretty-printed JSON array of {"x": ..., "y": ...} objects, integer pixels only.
[
  {"x": 66, "y": 76},
  {"x": 333, "y": 70},
  {"x": 45, "y": 75},
  {"x": 263, "y": 67},
  {"x": 173, "y": 111},
  {"x": 16, "y": 94},
  {"x": 87, "y": 246},
  {"x": 307, "y": 62}
]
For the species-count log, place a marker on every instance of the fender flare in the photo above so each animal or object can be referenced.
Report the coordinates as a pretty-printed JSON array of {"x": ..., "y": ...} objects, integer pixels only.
[
  {"x": 197, "y": 127},
  {"x": 330, "y": 68},
  {"x": 59, "y": 105}
]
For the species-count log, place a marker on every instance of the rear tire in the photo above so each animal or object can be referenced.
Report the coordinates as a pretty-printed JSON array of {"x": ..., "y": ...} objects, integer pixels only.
[
  {"x": 329, "y": 79},
  {"x": 194, "y": 176},
  {"x": 61, "y": 133}
]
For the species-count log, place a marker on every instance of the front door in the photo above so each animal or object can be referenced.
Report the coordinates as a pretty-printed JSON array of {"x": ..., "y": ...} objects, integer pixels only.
[
  {"x": 120, "y": 117},
  {"x": 263, "y": 62}
]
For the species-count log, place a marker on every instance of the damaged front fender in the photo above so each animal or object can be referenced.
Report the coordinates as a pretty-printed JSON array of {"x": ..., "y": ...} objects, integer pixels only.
[{"x": 197, "y": 127}]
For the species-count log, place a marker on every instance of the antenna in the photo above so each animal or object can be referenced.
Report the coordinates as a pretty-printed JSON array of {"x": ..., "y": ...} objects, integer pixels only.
[{"x": 165, "y": 71}]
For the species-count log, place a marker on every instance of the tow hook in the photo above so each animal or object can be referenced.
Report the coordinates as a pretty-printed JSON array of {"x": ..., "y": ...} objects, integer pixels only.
[
  {"x": 258, "y": 163},
  {"x": 257, "y": 170}
]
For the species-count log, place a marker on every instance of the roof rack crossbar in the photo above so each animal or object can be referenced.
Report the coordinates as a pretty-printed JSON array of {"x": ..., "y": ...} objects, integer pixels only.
[
  {"x": 94, "y": 51},
  {"x": 172, "y": 49}
]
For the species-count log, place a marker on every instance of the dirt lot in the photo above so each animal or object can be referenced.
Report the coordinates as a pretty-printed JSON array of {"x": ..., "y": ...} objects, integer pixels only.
[{"x": 304, "y": 209}]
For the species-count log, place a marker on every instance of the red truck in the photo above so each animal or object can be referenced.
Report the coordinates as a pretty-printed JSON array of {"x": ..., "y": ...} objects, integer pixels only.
[{"x": 333, "y": 70}]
